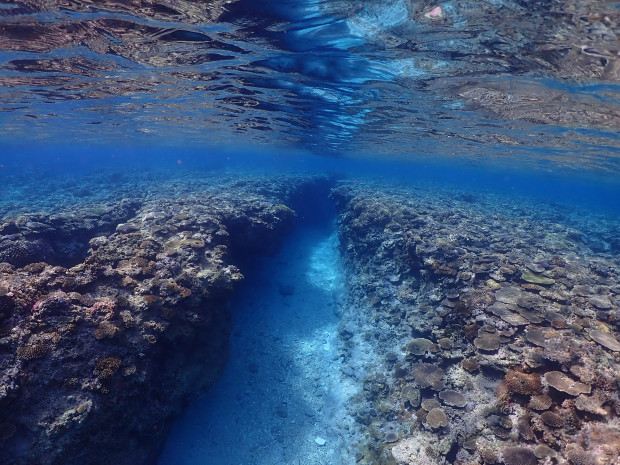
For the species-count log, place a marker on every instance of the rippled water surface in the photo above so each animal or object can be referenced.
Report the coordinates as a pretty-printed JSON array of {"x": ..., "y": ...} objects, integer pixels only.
[{"x": 512, "y": 80}]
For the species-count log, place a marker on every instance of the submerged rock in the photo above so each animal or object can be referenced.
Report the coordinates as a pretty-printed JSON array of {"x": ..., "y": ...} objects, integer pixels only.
[
  {"x": 99, "y": 357},
  {"x": 505, "y": 324}
]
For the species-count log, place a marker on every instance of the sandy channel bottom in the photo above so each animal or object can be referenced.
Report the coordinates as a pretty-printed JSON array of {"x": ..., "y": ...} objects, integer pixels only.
[{"x": 282, "y": 397}]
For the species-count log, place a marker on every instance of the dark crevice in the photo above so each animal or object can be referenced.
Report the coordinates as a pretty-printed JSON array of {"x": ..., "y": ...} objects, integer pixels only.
[{"x": 312, "y": 206}]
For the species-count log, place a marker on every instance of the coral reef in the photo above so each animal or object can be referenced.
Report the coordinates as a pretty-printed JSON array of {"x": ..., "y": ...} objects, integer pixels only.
[
  {"x": 500, "y": 320},
  {"x": 129, "y": 324},
  {"x": 479, "y": 331}
]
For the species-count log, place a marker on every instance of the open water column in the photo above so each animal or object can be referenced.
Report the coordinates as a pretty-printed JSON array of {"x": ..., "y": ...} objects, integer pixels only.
[{"x": 281, "y": 398}]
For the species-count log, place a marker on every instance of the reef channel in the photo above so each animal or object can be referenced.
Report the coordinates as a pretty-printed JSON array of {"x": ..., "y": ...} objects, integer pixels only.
[
  {"x": 281, "y": 399},
  {"x": 423, "y": 325}
]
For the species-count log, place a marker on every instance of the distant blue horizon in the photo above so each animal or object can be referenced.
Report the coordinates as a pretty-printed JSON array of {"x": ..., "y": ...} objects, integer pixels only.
[{"x": 596, "y": 190}]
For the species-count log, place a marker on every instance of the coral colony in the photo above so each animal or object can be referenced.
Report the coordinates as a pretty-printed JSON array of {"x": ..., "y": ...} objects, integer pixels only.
[{"x": 493, "y": 324}]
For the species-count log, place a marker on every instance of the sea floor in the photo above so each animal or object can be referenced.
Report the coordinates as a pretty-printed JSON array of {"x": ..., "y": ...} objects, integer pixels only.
[{"x": 282, "y": 397}]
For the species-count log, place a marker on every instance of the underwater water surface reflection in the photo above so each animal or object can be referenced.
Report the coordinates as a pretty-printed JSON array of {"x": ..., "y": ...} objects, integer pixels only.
[{"x": 525, "y": 83}]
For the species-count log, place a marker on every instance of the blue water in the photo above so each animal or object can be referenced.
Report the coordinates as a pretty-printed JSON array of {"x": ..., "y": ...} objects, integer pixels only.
[
  {"x": 374, "y": 78},
  {"x": 508, "y": 100},
  {"x": 578, "y": 189}
]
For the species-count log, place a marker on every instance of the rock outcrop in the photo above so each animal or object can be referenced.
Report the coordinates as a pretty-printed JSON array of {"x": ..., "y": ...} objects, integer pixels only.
[
  {"x": 99, "y": 355},
  {"x": 494, "y": 327}
]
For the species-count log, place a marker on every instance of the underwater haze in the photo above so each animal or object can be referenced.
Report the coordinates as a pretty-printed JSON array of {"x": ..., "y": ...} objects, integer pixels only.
[{"x": 378, "y": 232}]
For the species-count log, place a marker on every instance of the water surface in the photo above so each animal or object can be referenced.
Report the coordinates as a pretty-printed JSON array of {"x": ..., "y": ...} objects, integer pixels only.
[{"x": 511, "y": 82}]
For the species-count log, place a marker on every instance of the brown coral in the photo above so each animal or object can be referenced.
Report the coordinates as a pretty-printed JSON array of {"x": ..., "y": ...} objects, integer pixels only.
[
  {"x": 513, "y": 319},
  {"x": 605, "y": 339},
  {"x": 430, "y": 404},
  {"x": 32, "y": 351},
  {"x": 453, "y": 398},
  {"x": 436, "y": 418},
  {"x": 470, "y": 364},
  {"x": 427, "y": 375},
  {"x": 592, "y": 404},
  {"x": 106, "y": 366},
  {"x": 577, "y": 456},
  {"x": 105, "y": 330},
  {"x": 411, "y": 394},
  {"x": 558, "y": 350},
  {"x": 523, "y": 383},
  {"x": 487, "y": 342},
  {"x": 540, "y": 402},
  {"x": 519, "y": 456},
  {"x": 552, "y": 419},
  {"x": 565, "y": 384},
  {"x": 418, "y": 346},
  {"x": 524, "y": 428},
  {"x": 541, "y": 451},
  {"x": 128, "y": 320},
  {"x": 149, "y": 299},
  {"x": 536, "y": 336},
  {"x": 489, "y": 456}
]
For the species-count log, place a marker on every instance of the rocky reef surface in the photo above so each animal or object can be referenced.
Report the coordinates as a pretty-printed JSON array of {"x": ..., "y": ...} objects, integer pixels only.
[
  {"x": 480, "y": 328},
  {"x": 484, "y": 330},
  {"x": 114, "y": 312}
]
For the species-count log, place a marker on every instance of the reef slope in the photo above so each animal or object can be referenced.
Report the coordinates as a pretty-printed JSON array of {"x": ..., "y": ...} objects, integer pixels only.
[
  {"x": 483, "y": 328},
  {"x": 97, "y": 356}
]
